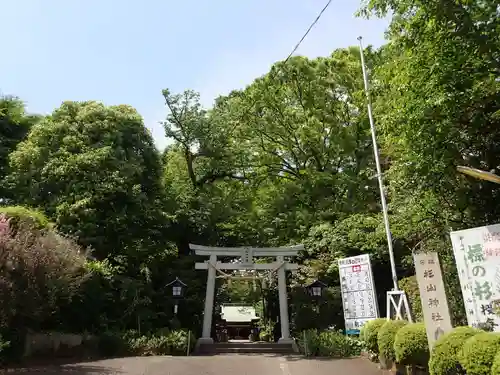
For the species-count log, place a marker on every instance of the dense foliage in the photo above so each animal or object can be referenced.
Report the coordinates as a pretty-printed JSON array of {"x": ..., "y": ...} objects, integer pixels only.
[
  {"x": 286, "y": 160},
  {"x": 410, "y": 345},
  {"x": 369, "y": 334},
  {"x": 132, "y": 343},
  {"x": 328, "y": 344},
  {"x": 444, "y": 357},
  {"x": 478, "y": 353},
  {"x": 386, "y": 338}
]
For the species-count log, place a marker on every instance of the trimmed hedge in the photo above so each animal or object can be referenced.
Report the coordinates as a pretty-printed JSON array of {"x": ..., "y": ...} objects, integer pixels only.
[
  {"x": 370, "y": 334},
  {"x": 411, "y": 346},
  {"x": 478, "y": 353},
  {"x": 495, "y": 369},
  {"x": 444, "y": 356},
  {"x": 386, "y": 336}
]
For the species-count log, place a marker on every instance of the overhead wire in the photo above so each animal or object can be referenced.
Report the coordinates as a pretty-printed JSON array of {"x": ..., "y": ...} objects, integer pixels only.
[
  {"x": 308, "y": 30},
  {"x": 295, "y": 48}
]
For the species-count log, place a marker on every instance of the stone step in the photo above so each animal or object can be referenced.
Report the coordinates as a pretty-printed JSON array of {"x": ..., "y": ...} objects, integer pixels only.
[
  {"x": 220, "y": 348},
  {"x": 255, "y": 350},
  {"x": 247, "y": 344}
]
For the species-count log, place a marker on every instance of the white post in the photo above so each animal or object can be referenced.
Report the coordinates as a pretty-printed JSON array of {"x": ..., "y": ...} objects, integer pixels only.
[
  {"x": 209, "y": 302},
  {"x": 285, "y": 329},
  {"x": 379, "y": 170}
]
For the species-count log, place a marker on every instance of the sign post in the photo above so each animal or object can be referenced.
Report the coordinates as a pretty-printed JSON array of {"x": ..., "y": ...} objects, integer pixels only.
[
  {"x": 432, "y": 295},
  {"x": 477, "y": 254},
  {"x": 358, "y": 292}
]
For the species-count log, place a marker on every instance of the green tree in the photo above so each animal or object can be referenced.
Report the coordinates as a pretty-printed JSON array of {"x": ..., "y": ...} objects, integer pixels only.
[
  {"x": 96, "y": 172},
  {"x": 437, "y": 105},
  {"x": 440, "y": 106},
  {"x": 305, "y": 137},
  {"x": 14, "y": 127},
  {"x": 205, "y": 183}
]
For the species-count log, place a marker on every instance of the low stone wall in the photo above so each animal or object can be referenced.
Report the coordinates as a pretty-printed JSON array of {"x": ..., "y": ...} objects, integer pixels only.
[{"x": 53, "y": 343}]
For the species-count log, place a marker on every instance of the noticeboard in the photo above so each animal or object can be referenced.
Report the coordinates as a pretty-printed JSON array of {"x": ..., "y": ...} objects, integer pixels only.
[{"x": 358, "y": 292}]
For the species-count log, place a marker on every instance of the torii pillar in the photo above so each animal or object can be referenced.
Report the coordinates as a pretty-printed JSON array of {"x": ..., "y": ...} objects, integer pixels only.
[{"x": 247, "y": 263}]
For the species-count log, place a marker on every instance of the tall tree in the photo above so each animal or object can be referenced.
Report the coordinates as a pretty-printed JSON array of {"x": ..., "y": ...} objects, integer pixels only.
[
  {"x": 306, "y": 137},
  {"x": 96, "y": 172},
  {"x": 14, "y": 127},
  {"x": 441, "y": 106},
  {"x": 202, "y": 174}
]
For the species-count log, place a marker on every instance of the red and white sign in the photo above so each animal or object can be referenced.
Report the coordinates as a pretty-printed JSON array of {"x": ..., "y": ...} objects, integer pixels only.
[{"x": 358, "y": 291}]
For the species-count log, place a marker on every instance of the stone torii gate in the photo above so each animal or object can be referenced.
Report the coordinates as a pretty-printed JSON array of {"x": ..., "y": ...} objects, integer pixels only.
[{"x": 247, "y": 254}]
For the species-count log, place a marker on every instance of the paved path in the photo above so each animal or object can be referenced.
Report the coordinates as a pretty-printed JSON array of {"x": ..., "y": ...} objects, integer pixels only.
[{"x": 230, "y": 364}]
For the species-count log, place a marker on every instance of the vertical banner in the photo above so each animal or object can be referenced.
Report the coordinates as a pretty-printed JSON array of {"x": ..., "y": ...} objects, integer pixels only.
[
  {"x": 433, "y": 296},
  {"x": 477, "y": 254},
  {"x": 358, "y": 292}
]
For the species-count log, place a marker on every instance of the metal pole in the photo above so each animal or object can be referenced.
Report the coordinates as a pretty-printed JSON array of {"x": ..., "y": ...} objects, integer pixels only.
[{"x": 379, "y": 169}]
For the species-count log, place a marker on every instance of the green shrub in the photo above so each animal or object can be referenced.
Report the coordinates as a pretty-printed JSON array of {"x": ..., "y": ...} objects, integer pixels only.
[
  {"x": 337, "y": 345},
  {"x": 149, "y": 345},
  {"x": 178, "y": 341},
  {"x": 164, "y": 331},
  {"x": 309, "y": 342},
  {"x": 495, "y": 369},
  {"x": 411, "y": 346},
  {"x": 113, "y": 344},
  {"x": 329, "y": 344},
  {"x": 410, "y": 286},
  {"x": 264, "y": 336},
  {"x": 386, "y": 336},
  {"x": 362, "y": 332},
  {"x": 478, "y": 353},
  {"x": 28, "y": 216},
  {"x": 4, "y": 344},
  {"x": 370, "y": 334},
  {"x": 444, "y": 355},
  {"x": 41, "y": 272}
]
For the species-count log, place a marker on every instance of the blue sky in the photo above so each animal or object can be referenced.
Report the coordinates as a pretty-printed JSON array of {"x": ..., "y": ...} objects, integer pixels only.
[{"x": 127, "y": 51}]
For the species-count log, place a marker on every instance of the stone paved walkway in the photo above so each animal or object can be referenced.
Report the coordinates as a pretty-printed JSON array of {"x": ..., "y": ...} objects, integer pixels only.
[{"x": 231, "y": 364}]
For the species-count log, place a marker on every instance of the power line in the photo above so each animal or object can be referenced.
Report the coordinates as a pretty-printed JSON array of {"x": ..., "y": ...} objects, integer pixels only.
[
  {"x": 293, "y": 50},
  {"x": 308, "y": 30}
]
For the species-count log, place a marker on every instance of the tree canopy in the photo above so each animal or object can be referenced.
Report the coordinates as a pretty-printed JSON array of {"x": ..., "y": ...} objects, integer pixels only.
[{"x": 286, "y": 160}]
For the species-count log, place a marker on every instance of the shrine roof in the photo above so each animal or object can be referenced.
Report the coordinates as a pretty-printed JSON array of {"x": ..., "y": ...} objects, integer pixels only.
[{"x": 238, "y": 314}]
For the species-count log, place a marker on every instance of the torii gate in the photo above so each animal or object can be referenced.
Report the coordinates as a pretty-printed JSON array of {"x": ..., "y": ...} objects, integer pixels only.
[{"x": 247, "y": 263}]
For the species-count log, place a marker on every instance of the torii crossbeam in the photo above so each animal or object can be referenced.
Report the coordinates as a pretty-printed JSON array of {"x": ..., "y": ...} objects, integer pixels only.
[{"x": 247, "y": 255}]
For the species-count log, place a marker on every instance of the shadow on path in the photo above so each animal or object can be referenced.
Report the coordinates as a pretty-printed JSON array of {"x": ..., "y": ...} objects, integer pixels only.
[
  {"x": 65, "y": 366},
  {"x": 76, "y": 369}
]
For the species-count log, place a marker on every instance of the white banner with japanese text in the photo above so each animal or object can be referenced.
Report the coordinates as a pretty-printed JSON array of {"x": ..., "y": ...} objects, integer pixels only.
[
  {"x": 477, "y": 254},
  {"x": 358, "y": 292}
]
